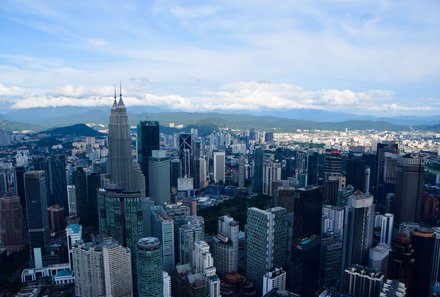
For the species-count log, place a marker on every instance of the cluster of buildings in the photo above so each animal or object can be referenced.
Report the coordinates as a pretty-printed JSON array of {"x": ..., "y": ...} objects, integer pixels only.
[{"x": 112, "y": 220}]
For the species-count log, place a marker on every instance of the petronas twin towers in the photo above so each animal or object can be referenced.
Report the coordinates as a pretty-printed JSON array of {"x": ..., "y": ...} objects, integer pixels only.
[{"x": 123, "y": 171}]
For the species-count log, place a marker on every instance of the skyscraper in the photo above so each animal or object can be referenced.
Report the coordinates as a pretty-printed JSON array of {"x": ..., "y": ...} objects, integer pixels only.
[
  {"x": 121, "y": 168},
  {"x": 149, "y": 267},
  {"x": 358, "y": 229},
  {"x": 147, "y": 141},
  {"x": 225, "y": 245},
  {"x": 356, "y": 174},
  {"x": 360, "y": 281},
  {"x": 71, "y": 198},
  {"x": 188, "y": 234},
  {"x": 37, "y": 220},
  {"x": 163, "y": 228},
  {"x": 185, "y": 154},
  {"x": 82, "y": 200},
  {"x": 423, "y": 243},
  {"x": 159, "y": 168},
  {"x": 330, "y": 261},
  {"x": 265, "y": 242},
  {"x": 120, "y": 216},
  {"x": 219, "y": 166},
  {"x": 258, "y": 170},
  {"x": 409, "y": 187},
  {"x": 401, "y": 264},
  {"x": 12, "y": 229},
  {"x": 385, "y": 151}
]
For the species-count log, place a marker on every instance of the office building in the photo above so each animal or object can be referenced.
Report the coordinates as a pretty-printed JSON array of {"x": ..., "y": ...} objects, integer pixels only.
[
  {"x": 123, "y": 172},
  {"x": 73, "y": 235},
  {"x": 93, "y": 182},
  {"x": 378, "y": 258},
  {"x": 185, "y": 154},
  {"x": 332, "y": 220},
  {"x": 117, "y": 269},
  {"x": 82, "y": 200},
  {"x": 393, "y": 288},
  {"x": 312, "y": 167},
  {"x": 386, "y": 154},
  {"x": 409, "y": 187},
  {"x": 274, "y": 279},
  {"x": 149, "y": 267},
  {"x": 358, "y": 229},
  {"x": 356, "y": 174},
  {"x": 265, "y": 242},
  {"x": 423, "y": 244},
  {"x": 166, "y": 284},
  {"x": 120, "y": 216},
  {"x": 219, "y": 166},
  {"x": 159, "y": 168},
  {"x": 401, "y": 265},
  {"x": 12, "y": 228},
  {"x": 304, "y": 261},
  {"x": 271, "y": 173},
  {"x": 36, "y": 210},
  {"x": 57, "y": 220},
  {"x": 436, "y": 257},
  {"x": 330, "y": 262},
  {"x": 258, "y": 170},
  {"x": 71, "y": 198},
  {"x": 188, "y": 234},
  {"x": 386, "y": 229},
  {"x": 203, "y": 263},
  {"x": 360, "y": 281},
  {"x": 332, "y": 164},
  {"x": 3, "y": 184},
  {"x": 163, "y": 228},
  {"x": 19, "y": 186},
  {"x": 225, "y": 245},
  {"x": 102, "y": 269},
  {"x": 200, "y": 173},
  {"x": 147, "y": 141}
]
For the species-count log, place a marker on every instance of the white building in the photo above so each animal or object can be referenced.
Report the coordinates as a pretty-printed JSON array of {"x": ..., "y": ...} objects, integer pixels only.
[
  {"x": 71, "y": 199},
  {"x": 166, "y": 284},
  {"x": 274, "y": 279},
  {"x": 386, "y": 229},
  {"x": 117, "y": 269}
]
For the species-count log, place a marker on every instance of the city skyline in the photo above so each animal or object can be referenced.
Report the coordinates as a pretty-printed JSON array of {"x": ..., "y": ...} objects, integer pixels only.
[{"x": 359, "y": 57}]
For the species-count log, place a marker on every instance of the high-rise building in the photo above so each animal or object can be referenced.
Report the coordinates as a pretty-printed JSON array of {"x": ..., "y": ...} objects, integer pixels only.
[
  {"x": 265, "y": 242},
  {"x": 186, "y": 154},
  {"x": 163, "y": 228},
  {"x": 19, "y": 186},
  {"x": 356, "y": 174},
  {"x": 73, "y": 235},
  {"x": 332, "y": 220},
  {"x": 71, "y": 198},
  {"x": 409, "y": 187},
  {"x": 386, "y": 151},
  {"x": 93, "y": 182},
  {"x": 3, "y": 184},
  {"x": 258, "y": 170},
  {"x": 199, "y": 173},
  {"x": 436, "y": 257},
  {"x": 274, "y": 279},
  {"x": 312, "y": 167},
  {"x": 58, "y": 182},
  {"x": 147, "y": 141},
  {"x": 57, "y": 219},
  {"x": 330, "y": 261},
  {"x": 306, "y": 204},
  {"x": 332, "y": 164},
  {"x": 358, "y": 229},
  {"x": 159, "y": 178},
  {"x": 378, "y": 258},
  {"x": 149, "y": 267},
  {"x": 120, "y": 216},
  {"x": 225, "y": 245},
  {"x": 12, "y": 228},
  {"x": 102, "y": 270},
  {"x": 188, "y": 234},
  {"x": 82, "y": 200},
  {"x": 203, "y": 263},
  {"x": 393, "y": 288},
  {"x": 166, "y": 284},
  {"x": 401, "y": 264},
  {"x": 117, "y": 269},
  {"x": 219, "y": 166},
  {"x": 386, "y": 230},
  {"x": 271, "y": 173},
  {"x": 120, "y": 164},
  {"x": 360, "y": 281},
  {"x": 423, "y": 244},
  {"x": 242, "y": 171},
  {"x": 37, "y": 220}
]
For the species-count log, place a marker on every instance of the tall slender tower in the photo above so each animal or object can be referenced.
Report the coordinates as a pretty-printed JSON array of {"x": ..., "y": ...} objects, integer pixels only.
[{"x": 120, "y": 160}]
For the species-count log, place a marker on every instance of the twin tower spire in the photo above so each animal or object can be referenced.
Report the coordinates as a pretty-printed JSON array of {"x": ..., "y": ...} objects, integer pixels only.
[{"x": 121, "y": 102}]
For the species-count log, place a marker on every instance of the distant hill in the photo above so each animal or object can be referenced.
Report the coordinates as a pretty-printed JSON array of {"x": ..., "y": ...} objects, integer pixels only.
[
  {"x": 74, "y": 130},
  {"x": 16, "y": 126}
]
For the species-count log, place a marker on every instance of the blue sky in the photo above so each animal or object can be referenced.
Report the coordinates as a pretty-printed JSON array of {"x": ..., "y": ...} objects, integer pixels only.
[{"x": 360, "y": 56}]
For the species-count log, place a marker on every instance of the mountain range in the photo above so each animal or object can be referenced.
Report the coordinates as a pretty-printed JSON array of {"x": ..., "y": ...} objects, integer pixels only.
[{"x": 40, "y": 119}]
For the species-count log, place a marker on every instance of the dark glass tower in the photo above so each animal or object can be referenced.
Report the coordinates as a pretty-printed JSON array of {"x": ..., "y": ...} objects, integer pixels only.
[
  {"x": 36, "y": 204},
  {"x": 258, "y": 170},
  {"x": 356, "y": 174},
  {"x": 423, "y": 243},
  {"x": 147, "y": 141},
  {"x": 19, "y": 186},
  {"x": 92, "y": 197},
  {"x": 82, "y": 201}
]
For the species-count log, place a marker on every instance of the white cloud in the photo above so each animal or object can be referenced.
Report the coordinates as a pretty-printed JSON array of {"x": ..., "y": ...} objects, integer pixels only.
[
  {"x": 10, "y": 91},
  {"x": 249, "y": 95}
]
